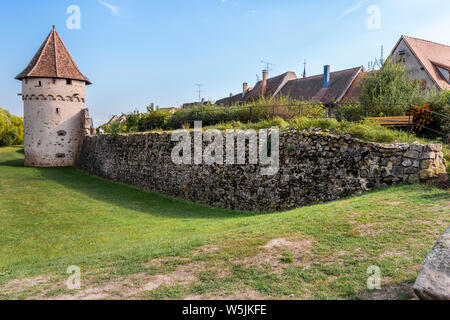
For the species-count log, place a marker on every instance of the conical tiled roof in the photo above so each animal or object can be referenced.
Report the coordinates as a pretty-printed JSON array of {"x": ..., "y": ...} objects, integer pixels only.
[{"x": 53, "y": 60}]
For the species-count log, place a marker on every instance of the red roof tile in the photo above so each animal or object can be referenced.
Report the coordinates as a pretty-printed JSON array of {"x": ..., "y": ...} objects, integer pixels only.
[
  {"x": 431, "y": 54},
  {"x": 311, "y": 88},
  {"x": 53, "y": 60},
  {"x": 273, "y": 86}
]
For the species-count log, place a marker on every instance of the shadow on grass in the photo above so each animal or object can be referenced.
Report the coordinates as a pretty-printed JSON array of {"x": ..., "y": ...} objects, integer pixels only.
[
  {"x": 131, "y": 198},
  {"x": 13, "y": 163},
  {"x": 396, "y": 291},
  {"x": 123, "y": 196}
]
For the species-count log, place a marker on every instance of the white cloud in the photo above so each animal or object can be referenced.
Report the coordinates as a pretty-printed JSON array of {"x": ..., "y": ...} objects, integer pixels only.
[
  {"x": 114, "y": 9},
  {"x": 352, "y": 9}
]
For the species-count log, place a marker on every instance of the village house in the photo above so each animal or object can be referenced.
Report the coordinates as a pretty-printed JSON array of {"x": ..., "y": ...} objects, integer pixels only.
[
  {"x": 426, "y": 61},
  {"x": 329, "y": 88}
]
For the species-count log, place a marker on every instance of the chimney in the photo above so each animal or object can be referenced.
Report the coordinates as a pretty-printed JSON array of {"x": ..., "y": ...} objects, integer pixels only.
[
  {"x": 244, "y": 88},
  {"x": 264, "y": 83},
  {"x": 231, "y": 94},
  {"x": 326, "y": 76}
]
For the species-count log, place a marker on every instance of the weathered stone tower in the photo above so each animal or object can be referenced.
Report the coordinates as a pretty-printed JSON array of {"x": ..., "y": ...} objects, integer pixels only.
[{"x": 53, "y": 91}]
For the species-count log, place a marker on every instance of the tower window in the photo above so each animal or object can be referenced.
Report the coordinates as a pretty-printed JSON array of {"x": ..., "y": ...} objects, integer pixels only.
[
  {"x": 58, "y": 111},
  {"x": 39, "y": 84},
  {"x": 68, "y": 81}
]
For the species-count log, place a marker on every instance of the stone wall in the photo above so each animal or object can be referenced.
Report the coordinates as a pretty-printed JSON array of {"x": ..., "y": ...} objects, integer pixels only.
[{"x": 315, "y": 167}]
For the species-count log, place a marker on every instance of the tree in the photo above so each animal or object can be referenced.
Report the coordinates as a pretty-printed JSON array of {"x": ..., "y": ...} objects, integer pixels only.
[
  {"x": 11, "y": 129},
  {"x": 389, "y": 91}
]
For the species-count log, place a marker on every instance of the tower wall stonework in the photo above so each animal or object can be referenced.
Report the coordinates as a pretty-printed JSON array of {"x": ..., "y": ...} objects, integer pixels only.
[{"x": 53, "y": 128}]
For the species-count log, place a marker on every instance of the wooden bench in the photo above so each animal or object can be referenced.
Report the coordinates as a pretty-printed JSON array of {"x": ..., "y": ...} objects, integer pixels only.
[{"x": 401, "y": 121}]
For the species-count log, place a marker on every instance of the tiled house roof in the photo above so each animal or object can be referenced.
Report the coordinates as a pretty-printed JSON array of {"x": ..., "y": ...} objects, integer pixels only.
[
  {"x": 353, "y": 93},
  {"x": 273, "y": 86},
  {"x": 53, "y": 60},
  {"x": 311, "y": 88},
  {"x": 229, "y": 101},
  {"x": 431, "y": 55}
]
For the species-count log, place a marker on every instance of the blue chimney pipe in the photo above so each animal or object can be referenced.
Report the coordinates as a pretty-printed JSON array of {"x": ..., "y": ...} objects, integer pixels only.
[{"x": 326, "y": 76}]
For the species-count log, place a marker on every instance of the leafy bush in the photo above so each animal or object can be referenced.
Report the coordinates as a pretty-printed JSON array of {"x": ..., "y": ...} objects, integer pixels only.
[
  {"x": 389, "y": 91},
  {"x": 440, "y": 103},
  {"x": 114, "y": 129},
  {"x": 263, "y": 109},
  {"x": 152, "y": 120},
  {"x": 349, "y": 112},
  {"x": 11, "y": 129}
]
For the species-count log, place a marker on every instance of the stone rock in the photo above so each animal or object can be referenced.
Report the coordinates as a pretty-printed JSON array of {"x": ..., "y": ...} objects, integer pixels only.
[
  {"x": 411, "y": 154},
  {"x": 433, "y": 282},
  {"x": 416, "y": 146},
  {"x": 427, "y": 164},
  {"x": 407, "y": 163},
  {"x": 426, "y": 174},
  {"x": 428, "y": 155},
  {"x": 434, "y": 147}
]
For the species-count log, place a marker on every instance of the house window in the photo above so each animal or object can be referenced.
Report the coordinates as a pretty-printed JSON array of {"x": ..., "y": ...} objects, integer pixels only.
[
  {"x": 445, "y": 74},
  {"x": 401, "y": 52},
  {"x": 68, "y": 81}
]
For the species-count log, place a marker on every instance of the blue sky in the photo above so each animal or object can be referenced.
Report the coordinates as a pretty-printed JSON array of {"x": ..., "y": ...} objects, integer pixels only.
[{"x": 140, "y": 51}]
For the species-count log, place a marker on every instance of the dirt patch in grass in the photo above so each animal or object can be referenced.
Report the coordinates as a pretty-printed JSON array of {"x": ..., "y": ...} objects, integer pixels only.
[
  {"x": 395, "y": 203},
  {"x": 19, "y": 285},
  {"x": 278, "y": 252},
  {"x": 370, "y": 229},
  {"x": 133, "y": 286},
  {"x": 393, "y": 253}
]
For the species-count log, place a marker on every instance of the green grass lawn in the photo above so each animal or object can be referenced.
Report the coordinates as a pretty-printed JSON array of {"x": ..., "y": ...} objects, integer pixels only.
[{"x": 135, "y": 244}]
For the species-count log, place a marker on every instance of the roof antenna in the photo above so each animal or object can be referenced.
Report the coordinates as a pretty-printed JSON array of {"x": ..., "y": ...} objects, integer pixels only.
[
  {"x": 304, "y": 70},
  {"x": 199, "y": 85},
  {"x": 268, "y": 64}
]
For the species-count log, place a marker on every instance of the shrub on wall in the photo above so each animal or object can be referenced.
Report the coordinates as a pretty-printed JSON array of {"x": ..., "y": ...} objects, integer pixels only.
[
  {"x": 11, "y": 129},
  {"x": 349, "y": 112},
  {"x": 260, "y": 110},
  {"x": 440, "y": 103},
  {"x": 389, "y": 91}
]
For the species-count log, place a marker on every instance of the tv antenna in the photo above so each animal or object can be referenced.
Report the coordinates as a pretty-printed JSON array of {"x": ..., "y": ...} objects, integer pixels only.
[
  {"x": 200, "y": 86},
  {"x": 268, "y": 65},
  {"x": 377, "y": 63},
  {"x": 304, "y": 69}
]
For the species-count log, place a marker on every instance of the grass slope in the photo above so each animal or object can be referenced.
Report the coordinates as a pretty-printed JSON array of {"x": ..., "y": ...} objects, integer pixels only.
[{"x": 135, "y": 244}]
